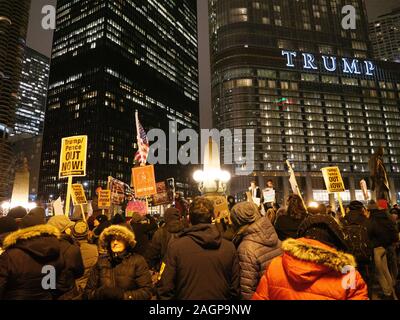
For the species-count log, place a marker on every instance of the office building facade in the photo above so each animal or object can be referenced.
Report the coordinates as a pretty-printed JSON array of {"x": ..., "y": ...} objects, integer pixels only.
[
  {"x": 14, "y": 17},
  {"x": 32, "y": 94},
  {"x": 310, "y": 90},
  {"x": 109, "y": 59},
  {"x": 385, "y": 36}
]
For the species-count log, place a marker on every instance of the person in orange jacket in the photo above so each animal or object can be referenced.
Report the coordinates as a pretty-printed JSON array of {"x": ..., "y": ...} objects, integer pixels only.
[{"x": 313, "y": 267}]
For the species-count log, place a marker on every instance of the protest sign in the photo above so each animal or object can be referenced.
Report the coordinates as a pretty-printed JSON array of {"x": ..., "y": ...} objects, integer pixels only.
[
  {"x": 136, "y": 206},
  {"x": 104, "y": 199},
  {"x": 333, "y": 179},
  {"x": 78, "y": 195},
  {"x": 144, "y": 181},
  {"x": 73, "y": 157}
]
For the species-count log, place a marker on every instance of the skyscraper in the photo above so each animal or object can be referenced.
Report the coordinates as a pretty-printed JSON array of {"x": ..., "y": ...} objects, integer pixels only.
[
  {"x": 385, "y": 36},
  {"x": 309, "y": 88},
  {"x": 26, "y": 139},
  {"x": 109, "y": 59},
  {"x": 32, "y": 94},
  {"x": 13, "y": 26}
]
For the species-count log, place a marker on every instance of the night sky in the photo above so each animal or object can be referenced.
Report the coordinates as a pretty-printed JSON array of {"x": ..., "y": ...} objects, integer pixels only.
[{"x": 41, "y": 40}]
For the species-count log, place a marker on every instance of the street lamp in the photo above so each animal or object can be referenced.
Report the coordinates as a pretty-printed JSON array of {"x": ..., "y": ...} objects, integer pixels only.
[{"x": 212, "y": 180}]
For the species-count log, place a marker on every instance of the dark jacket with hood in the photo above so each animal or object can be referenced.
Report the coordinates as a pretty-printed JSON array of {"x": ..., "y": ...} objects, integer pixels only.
[
  {"x": 157, "y": 248},
  {"x": 73, "y": 268},
  {"x": 200, "y": 265},
  {"x": 27, "y": 251},
  {"x": 383, "y": 230},
  {"x": 257, "y": 244},
  {"x": 119, "y": 277},
  {"x": 143, "y": 227}
]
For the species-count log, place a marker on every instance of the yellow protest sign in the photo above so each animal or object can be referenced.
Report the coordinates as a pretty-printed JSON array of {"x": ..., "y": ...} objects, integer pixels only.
[
  {"x": 78, "y": 194},
  {"x": 333, "y": 179},
  {"x": 144, "y": 181},
  {"x": 73, "y": 157},
  {"x": 104, "y": 200}
]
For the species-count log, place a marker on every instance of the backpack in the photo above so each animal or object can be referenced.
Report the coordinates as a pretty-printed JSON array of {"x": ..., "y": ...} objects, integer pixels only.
[{"x": 358, "y": 242}]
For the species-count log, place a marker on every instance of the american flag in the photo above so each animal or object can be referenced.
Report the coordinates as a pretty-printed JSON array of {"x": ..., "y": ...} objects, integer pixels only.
[{"x": 143, "y": 143}]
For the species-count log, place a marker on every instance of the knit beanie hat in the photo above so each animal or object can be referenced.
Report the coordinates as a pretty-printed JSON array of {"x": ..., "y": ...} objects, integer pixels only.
[
  {"x": 7, "y": 225},
  {"x": 31, "y": 221},
  {"x": 39, "y": 213},
  {"x": 356, "y": 205},
  {"x": 325, "y": 229},
  {"x": 62, "y": 223},
  {"x": 17, "y": 213},
  {"x": 244, "y": 213},
  {"x": 80, "y": 230}
]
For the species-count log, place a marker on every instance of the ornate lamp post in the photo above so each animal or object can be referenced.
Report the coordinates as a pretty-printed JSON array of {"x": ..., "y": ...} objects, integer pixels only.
[{"x": 212, "y": 180}]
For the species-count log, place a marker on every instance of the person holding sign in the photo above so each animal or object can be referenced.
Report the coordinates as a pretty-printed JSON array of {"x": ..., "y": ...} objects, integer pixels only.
[
  {"x": 269, "y": 196},
  {"x": 255, "y": 193}
]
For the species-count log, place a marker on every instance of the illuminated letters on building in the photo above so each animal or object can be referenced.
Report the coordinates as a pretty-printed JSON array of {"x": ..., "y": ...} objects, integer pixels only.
[{"x": 331, "y": 64}]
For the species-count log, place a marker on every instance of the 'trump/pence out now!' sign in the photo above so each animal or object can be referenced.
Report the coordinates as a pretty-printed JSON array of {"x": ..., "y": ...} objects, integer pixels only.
[
  {"x": 333, "y": 179},
  {"x": 73, "y": 157}
]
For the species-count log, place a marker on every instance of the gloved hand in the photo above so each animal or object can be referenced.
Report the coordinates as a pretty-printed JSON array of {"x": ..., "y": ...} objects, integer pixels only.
[{"x": 109, "y": 293}]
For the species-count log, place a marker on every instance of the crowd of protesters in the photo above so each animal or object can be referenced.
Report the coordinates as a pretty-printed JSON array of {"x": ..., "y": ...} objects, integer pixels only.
[{"x": 287, "y": 253}]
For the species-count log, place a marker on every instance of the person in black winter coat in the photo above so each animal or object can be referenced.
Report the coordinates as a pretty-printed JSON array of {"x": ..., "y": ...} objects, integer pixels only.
[
  {"x": 74, "y": 267},
  {"x": 200, "y": 264},
  {"x": 157, "y": 249},
  {"x": 120, "y": 273},
  {"x": 257, "y": 244},
  {"x": 383, "y": 235},
  {"x": 27, "y": 251},
  {"x": 143, "y": 227},
  {"x": 287, "y": 224},
  {"x": 383, "y": 230},
  {"x": 357, "y": 221}
]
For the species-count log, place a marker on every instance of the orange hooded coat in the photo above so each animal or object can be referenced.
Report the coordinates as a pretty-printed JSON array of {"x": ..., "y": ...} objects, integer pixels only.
[{"x": 311, "y": 270}]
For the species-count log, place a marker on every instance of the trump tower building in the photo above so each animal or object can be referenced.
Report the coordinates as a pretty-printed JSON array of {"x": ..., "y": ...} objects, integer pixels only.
[{"x": 310, "y": 89}]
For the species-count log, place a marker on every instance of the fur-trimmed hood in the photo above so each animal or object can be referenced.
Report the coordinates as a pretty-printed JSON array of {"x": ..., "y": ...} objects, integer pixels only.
[
  {"x": 29, "y": 233},
  {"x": 306, "y": 260},
  {"x": 116, "y": 231},
  {"x": 41, "y": 242}
]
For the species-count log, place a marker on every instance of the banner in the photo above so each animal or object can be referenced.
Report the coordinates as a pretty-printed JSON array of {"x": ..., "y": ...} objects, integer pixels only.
[
  {"x": 136, "y": 206},
  {"x": 73, "y": 157},
  {"x": 164, "y": 195},
  {"x": 78, "y": 195},
  {"x": 104, "y": 199},
  {"x": 120, "y": 191},
  {"x": 144, "y": 181},
  {"x": 333, "y": 179}
]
